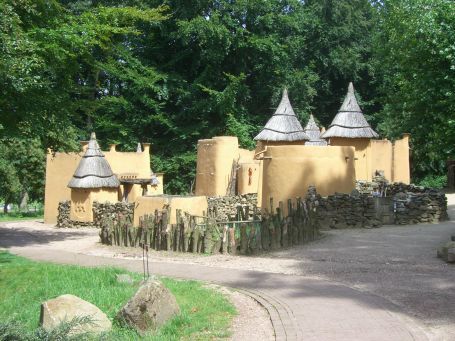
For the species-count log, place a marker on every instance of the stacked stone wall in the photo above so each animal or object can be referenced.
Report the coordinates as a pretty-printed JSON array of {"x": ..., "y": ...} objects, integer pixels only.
[
  {"x": 100, "y": 212},
  {"x": 225, "y": 208},
  {"x": 429, "y": 206},
  {"x": 340, "y": 211}
]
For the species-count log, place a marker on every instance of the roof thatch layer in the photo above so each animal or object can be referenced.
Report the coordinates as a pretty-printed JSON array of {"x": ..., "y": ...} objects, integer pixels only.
[
  {"x": 283, "y": 125},
  {"x": 313, "y": 132},
  {"x": 349, "y": 121},
  {"x": 93, "y": 170}
]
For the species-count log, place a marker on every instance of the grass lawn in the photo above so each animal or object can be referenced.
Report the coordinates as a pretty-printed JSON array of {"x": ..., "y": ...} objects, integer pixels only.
[
  {"x": 14, "y": 216},
  {"x": 24, "y": 284}
]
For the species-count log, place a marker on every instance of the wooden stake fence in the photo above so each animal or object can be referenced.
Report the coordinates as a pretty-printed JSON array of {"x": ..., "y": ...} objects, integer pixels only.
[{"x": 203, "y": 234}]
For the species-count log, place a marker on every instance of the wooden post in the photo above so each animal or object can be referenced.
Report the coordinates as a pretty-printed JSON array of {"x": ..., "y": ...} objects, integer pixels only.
[{"x": 242, "y": 214}]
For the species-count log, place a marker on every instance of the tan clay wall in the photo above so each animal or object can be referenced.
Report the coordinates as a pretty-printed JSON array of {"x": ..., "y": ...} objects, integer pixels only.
[
  {"x": 362, "y": 155},
  {"x": 82, "y": 200},
  {"x": 215, "y": 158},
  {"x": 381, "y": 157},
  {"x": 246, "y": 183},
  {"x": 196, "y": 205},
  {"x": 81, "y": 205},
  {"x": 401, "y": 170},
  {"x": 246, "y": 155},
  {"x": 59, "y": 171},
  {"x": 289, "y": 170},
  {"x": 129, "y": 163},
  {"x": 261, "y": 145}
]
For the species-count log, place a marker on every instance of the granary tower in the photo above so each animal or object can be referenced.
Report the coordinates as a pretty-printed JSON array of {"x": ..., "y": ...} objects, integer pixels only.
[
  {"x": 350, "y": 128},
  {"x": 283, "y": 128},
  {"x": 92, "y": 181},
  {"x": 313, "y": 132}
]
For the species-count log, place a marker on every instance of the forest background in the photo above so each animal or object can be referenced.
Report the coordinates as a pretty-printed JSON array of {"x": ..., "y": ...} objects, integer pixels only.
[{"x": 173, "y": 72}]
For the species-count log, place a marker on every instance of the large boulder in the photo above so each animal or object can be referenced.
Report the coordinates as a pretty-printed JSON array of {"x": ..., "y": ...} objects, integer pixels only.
[
  {"x": 151, "y": 307},
  {"x": 67, "y": 307}
]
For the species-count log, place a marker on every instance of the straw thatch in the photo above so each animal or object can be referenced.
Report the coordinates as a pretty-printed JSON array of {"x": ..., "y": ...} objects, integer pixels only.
[
  {"x": 283, "y": 125},
  {"x": 349, "y": 121},
  {"x": 313, "y": 132},
  {"x": 93, "y": 170}
]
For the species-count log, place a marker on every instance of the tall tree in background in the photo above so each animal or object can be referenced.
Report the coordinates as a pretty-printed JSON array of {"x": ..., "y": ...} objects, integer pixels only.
[
  {"x": 339, "y": 48},
  {"x": 415, "y": 50}
]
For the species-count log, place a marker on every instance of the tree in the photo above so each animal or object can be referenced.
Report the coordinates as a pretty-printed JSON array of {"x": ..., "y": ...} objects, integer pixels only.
[{"x": 415, "y": 51}]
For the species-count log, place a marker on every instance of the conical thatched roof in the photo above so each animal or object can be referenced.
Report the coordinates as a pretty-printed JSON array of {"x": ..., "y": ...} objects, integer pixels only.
[
  {"x": 313, "y": 132},
  {"x": 349, "y": 121},
  {"x": 93, "y": 170},
  {"x": 283, "y": 125}
]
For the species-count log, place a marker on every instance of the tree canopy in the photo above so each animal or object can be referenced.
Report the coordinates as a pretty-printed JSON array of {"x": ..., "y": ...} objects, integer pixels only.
[{"x": 175, "y": 72}]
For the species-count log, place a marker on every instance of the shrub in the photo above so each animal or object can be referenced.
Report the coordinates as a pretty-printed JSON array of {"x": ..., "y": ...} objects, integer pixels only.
[{"x": 433, "y": 181}]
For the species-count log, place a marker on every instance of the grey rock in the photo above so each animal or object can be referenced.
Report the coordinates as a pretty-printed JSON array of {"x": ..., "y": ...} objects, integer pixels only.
[
  {"x": 67, "y": 307},
  {"x": 150, "y": 307}
]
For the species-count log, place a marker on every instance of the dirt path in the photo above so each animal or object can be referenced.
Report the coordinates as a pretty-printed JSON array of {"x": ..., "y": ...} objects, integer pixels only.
[{"x": 393, "y": 270}]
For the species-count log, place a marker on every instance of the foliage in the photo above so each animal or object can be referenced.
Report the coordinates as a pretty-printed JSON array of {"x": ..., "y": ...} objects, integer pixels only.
[
  {"x": 433, "y": 181},
  {"x": 137, "y": 70},
  {"x": 15, "y": 216},
  {"x": 415, "y": 49},
  {"x": 22, "y": 168},
  {"x": 24, "y": 284}
]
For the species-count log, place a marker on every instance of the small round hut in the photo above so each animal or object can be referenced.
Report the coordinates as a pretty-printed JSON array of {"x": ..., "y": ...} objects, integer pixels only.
[
  {"x": 350, "y": 128},
  {"x": 92, "y": 181},
  {"x": 283, "y": 128},
  {"x": 313, "y": 132}
]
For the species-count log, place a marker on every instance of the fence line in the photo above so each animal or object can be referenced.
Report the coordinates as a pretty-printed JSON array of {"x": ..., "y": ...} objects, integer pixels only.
[{"x": 203, "y": 234}]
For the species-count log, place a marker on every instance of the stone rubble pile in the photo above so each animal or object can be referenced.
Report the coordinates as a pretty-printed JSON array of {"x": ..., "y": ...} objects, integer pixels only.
[
  {"x": 225, "y": 208},
  {"x": 378, "y": 183},
  {"x": 399, "y": 187},
  {"x": 423, "y": 207}
]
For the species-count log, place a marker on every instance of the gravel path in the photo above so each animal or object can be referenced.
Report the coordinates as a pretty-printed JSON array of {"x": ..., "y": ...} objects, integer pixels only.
[{"x": 396, "y": 263}]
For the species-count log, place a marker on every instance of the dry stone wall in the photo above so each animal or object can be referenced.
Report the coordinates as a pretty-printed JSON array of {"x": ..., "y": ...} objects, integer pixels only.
[
  {"x": 424, "y": 207},
  {"x": 100, "y": 212},
  {"x": 63, "y": 217},
  {"x": 340, "y": 211},
  {"x": 225, "y": 208}
]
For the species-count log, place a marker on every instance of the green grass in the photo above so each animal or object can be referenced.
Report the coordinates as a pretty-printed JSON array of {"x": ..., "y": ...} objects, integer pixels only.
[
  {"x": 15, "y": 216},
  {"x": 24, "y": 284}
]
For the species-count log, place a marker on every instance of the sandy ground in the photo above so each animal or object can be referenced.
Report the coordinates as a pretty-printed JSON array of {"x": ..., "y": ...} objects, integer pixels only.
[{"x": 397, "y": 263}]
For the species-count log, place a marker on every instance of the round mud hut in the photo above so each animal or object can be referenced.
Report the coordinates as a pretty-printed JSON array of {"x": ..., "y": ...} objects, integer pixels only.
[{"x": 92, "y": 181}]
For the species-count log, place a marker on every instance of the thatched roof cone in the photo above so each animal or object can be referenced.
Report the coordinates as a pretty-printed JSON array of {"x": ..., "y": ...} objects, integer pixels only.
[
  {"x": 349, "y": 121},
  {"x": 93, "y": 170},
  {"x": 283, "y": 125},
  {"x": 313, "y": 132}
]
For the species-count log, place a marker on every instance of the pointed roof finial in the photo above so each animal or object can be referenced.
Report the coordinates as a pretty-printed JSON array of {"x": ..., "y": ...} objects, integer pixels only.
[
  {"x": 283, "y": 125},
  {"x": 93, "y": 136},
  {"x": 313, "y": 132},
  {"x": 139, "y": 148},
  {"x": 349, "y": 122}
]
